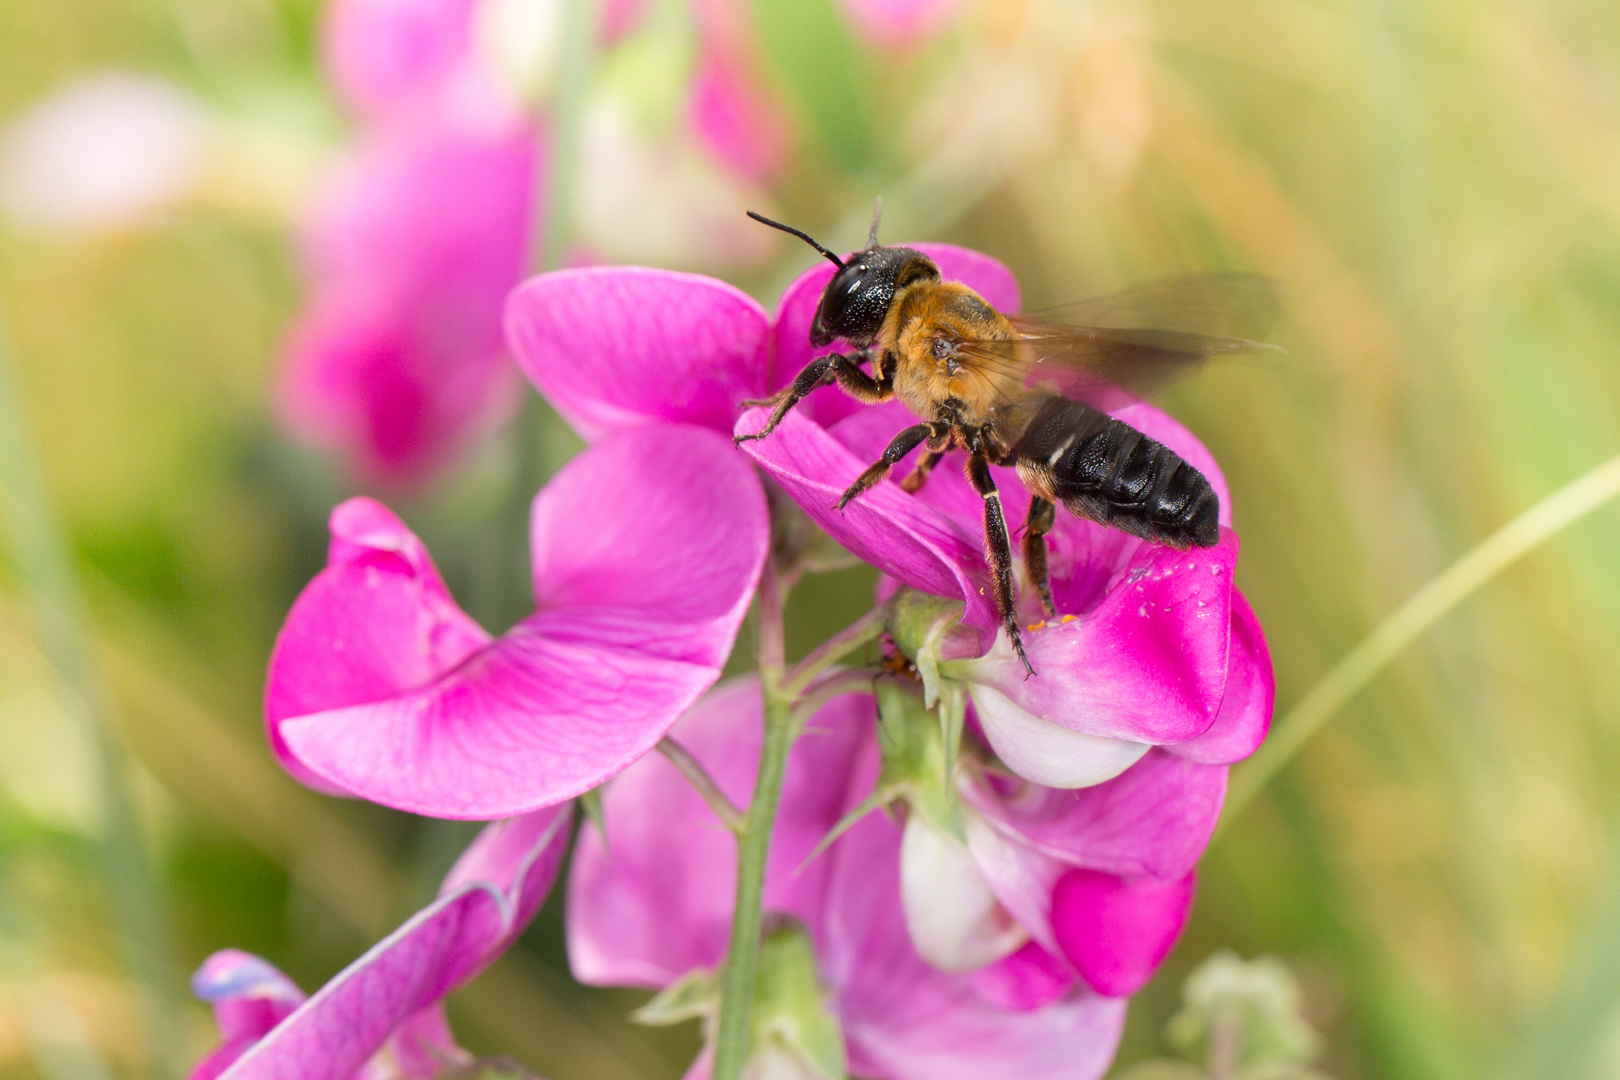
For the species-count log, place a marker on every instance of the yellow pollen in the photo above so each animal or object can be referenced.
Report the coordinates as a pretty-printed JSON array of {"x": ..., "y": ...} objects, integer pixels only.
[
  {"x": 1066, "y": 618},
  {"x": 1036, "y": 625}
]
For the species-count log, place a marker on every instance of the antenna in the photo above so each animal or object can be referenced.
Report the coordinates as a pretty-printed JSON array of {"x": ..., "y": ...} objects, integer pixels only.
[
  {"x": 801, "y": 234},
  {"x": 877, "y": 216}
]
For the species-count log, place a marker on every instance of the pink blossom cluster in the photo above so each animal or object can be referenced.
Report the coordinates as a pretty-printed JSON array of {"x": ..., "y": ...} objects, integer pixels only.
[{"x": 1005, "y": 945}]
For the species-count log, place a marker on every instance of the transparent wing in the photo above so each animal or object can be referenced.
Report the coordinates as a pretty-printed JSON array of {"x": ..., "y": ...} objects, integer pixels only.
[{"x": 1111, "y": 362}]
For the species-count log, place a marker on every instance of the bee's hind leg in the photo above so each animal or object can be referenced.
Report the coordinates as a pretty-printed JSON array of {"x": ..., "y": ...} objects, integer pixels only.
[
  {"x": 918, "y": 476},
  {"x": 1042, "y": 514},
  {"x": 999, "y": 550},
  {"x": 902, "y": 444}
]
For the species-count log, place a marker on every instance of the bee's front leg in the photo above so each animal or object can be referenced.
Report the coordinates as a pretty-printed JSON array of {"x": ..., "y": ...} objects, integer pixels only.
[
  {"x": 903, "y": 444},
  {"x": 997, "y": 548},
  {"x": 819, "y": 372}
]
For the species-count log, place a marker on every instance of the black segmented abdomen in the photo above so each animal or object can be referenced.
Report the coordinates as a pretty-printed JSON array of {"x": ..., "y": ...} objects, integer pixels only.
[{"x": 1104, "y": 469}]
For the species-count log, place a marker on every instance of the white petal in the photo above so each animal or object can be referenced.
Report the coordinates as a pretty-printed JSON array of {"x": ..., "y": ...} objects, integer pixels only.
[
  {"x": 1045, "y": 752},
  {"x": 953, "y": 918}
]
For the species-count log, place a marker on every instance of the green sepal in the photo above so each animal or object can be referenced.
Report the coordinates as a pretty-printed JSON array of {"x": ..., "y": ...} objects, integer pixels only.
[
  {"x": 790, "y": 1006},
  {"x": 694, "y": 996}
]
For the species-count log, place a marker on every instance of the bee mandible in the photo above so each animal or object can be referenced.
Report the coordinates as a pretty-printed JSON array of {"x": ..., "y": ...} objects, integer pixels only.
[{"x": 1017, "y": 391}]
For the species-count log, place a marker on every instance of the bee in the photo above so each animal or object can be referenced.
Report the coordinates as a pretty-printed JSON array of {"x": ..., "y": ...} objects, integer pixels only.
[{"x": 1023, "y": 392}]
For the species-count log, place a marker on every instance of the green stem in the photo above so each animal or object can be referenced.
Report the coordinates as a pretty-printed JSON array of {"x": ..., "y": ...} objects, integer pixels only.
[
  {"x": 1493, "y": 555},
  {"x": 866, "y": 629},
  {"x": 47, "y": 573},
  {"x": 733, "y": 1038}
]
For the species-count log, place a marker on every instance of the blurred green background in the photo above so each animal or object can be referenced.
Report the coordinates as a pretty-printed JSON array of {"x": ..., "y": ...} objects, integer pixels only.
[{"x": 1436, "y": 183}]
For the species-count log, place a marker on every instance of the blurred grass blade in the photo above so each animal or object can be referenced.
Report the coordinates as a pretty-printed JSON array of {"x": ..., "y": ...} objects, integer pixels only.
[
  {"x": 1497, "y": 552},
  {"x": 47, "y": 574},
  {"x": 559, "y": 177}
]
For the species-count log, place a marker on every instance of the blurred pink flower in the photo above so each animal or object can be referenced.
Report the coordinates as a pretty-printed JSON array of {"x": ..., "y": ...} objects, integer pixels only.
[
  {"x": 653, "y": 901},
  {"x": 645, "y": 550},
  {"x": 894, "y": 23},
  {"x": 381, "y": 1018},
  {"x": 397, "y": 356}
]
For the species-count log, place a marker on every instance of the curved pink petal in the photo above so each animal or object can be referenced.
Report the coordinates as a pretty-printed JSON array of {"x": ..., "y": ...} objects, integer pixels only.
[
  {"x": 790, "y": 330},
  {"x": 904, "y": 1020},
  {"x": 376, "y": 621},
  {"x": 653, "y": 901},
  {"x": 1154, "y": 819},
  {"x": 894, "y": 23},
  {"x": 443, "y": 946},
  {"x": 1251, "y": 691},
  {"x": 1117, "y": 931},
  {"x": 1028, "y": 979},
  {"x": 627, "y": 346},
  {"x": 1147, "y": 663},
  {"x": 250, "y": 997},
  {"x": 633, "y": 627},
  {"x": 899, "y": 535}
]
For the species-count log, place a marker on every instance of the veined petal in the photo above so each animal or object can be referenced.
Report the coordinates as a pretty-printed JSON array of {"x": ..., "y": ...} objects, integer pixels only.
[
  {"x": 1117, "y": 931},
  {"x": 1147, "y": 663},
  {"x": 886, "y": 527},
  {"x": 1251, "y": 691},
  {"x": 376, "y": 621},
  {"x": 250, "y": 997},
  {"x": 1047, "y": 753},
  {"x": 1154, "y": 819},
  {"x": 625, "y": 346},
  {"x": 424, "y": 714},
  {"x": 653, "y": 901},
  {"x": 1030, "y": 978},
  {"x": 653, "y": 540},
  {"x": 395, "y": 988}
]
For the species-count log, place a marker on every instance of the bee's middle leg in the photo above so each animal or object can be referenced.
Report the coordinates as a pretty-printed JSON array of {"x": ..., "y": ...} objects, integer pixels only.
[
  {"x": 1042, "y": 515},
  {"x": 902, "y": 444},
  {"x": 999, "y": 550}
]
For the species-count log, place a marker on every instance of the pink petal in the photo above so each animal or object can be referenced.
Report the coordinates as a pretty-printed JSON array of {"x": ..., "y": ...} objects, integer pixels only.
[
  {"x": 250, "y": 997},
  {"x": 413, "y": 247},
  {"x": 790, "y": 331},
  {"x": 893, "y": 23},
  {"x": 1154, "y": 819},
  {"x": 617, "y": 347},
  {"x": 440, "y": 948},
  {"x": 1251, "y": 691},
  {"x": 376, "y": 621},
  {"x": 1147, "y": 663},
  {"x": 735, "y": 118},
  {"x": 628, "y": 637},
  {"x": 653, "y": 901},
  {"x": 903, "y": 1020},
  {"x": 1030, "y": 978},
  {"x": 899, "y": 535},
  {"x": 1117, "y": 931}
]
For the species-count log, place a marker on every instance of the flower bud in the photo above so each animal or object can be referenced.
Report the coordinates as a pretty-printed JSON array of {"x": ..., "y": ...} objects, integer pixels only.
[{"x": 954, "y": 919}]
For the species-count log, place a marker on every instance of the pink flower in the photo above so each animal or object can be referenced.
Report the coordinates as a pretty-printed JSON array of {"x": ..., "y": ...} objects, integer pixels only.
[
  {"x": 683, "y": 348},
  {"x": 646, "y": 549},
  {"x": 381, "y": 1018},
  {"x": 652, "y": 902},
  {"x": 398, "y": 357},
  {"x": 1156, "y": 647}
]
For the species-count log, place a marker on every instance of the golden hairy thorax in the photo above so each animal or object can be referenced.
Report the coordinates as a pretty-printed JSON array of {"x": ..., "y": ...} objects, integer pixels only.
[{"x": 936, "y": 382}]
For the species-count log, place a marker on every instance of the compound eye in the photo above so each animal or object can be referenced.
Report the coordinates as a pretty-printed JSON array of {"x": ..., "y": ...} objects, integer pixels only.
[{"x": 841, "y": 292}]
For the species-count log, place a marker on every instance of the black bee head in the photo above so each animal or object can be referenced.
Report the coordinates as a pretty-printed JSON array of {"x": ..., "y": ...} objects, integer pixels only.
[{"x": 858, "y": 297}]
